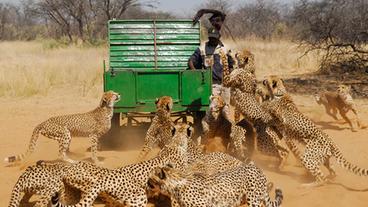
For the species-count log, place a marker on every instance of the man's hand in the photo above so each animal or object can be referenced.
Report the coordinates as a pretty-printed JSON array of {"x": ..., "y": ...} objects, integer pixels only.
[{"x": 191, "y": 65}]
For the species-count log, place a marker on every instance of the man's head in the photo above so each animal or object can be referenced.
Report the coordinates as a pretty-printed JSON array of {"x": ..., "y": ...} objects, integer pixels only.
[
  {"x": 217, "y": 20},
  {"x": 213, "y": 36}
]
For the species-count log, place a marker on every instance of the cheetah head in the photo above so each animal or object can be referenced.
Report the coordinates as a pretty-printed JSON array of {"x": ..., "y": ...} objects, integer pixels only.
[
  {"x": 317, "y": 97},
  {"x": 245, "y": 58},
  {"x": 275, "y": 86},
  {"x": 109, "y": 98},
  {"x": 164, "y": 103},
  {"x": 262, "y": 93},
  {"x": 343, "y": 89},
  {"x": 243, "y": 80},
  {"x": 166, "y": 179},
  {"x": 176, "y": 150},
  {"x": 217, "y": 103}
]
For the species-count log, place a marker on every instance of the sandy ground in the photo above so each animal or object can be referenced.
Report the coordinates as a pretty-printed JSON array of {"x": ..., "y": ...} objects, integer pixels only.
[{"x": 18, "y": 117}]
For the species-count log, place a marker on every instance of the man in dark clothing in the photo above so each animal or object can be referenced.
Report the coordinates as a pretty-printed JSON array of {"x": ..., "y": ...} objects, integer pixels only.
[{"x": 207, "y": 56}]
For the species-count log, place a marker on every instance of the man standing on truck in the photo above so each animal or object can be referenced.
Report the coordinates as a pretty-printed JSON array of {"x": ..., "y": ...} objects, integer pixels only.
[{"x": 207, "y": 56}]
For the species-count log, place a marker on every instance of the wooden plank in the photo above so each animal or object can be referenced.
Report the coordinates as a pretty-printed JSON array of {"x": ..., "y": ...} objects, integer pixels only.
[
  {"x": 151, "y": 48},
  {"x": 150, "y": 53},
  {"x": 124, "y": 37},
  {"x": 147, "y": 64},
  {"x": 150, "y": 42},
  {"x": 193, "y": 31},
  {"x": 150, "y": 26},
  {"x": 149, "y": 58}
]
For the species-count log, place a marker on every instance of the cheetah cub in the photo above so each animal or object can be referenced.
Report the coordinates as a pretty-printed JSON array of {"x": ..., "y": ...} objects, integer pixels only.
[{"x": 92, "y": 124}]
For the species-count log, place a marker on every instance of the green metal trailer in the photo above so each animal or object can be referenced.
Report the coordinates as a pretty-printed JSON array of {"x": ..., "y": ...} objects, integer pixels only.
[{"x": 148, "y": 59}]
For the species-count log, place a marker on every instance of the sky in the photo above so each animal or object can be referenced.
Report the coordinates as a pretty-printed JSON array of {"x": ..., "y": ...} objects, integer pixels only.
[{"x": 183, "y": 7}]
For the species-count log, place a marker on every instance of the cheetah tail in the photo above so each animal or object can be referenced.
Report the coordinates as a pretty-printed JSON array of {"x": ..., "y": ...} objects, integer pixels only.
[
  {"x": 279, "y": 197},
  {"x": 346, "y": 164},
  {"x": 31, "y": 148}
]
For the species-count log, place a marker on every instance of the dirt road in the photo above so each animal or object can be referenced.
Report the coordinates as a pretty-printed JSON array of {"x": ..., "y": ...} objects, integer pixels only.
[{"x": 18, "y": 117}]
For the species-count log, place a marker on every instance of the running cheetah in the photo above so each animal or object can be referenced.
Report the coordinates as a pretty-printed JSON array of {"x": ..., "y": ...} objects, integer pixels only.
[
  {"x": 339, "y": 100},
  {"x": 127, "y": 184},
  {"x": 319, "y": 147},
  {"x": 222, "y": 189},
  {"x": 160, "y": 130},
  {"x": 93, "y": 124}
]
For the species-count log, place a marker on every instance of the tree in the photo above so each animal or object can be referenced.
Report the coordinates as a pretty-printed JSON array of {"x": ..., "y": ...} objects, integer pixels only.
[
  {"x": 259, "y": 18},
  {"x": 338, "y": 28}
]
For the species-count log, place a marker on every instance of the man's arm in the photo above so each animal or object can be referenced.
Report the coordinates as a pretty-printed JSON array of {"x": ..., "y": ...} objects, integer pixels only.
[
  {"x": 195, "y": 61},
  {"x": 191, "y": 64}
]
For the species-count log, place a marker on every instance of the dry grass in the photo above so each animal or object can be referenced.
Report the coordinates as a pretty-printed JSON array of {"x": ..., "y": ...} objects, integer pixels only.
[
  {"x": 277, "y": 57},
  {"x": 30, "y": 68}
]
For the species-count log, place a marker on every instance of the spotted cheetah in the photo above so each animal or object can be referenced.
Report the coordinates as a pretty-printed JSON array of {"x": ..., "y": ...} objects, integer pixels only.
[
  {"x": 160, "y": 130},
  {"x": 275, "y": 86},
  {"x": 127, "y": 184},
  {"x": 72, "y": 180},
  {"x": 243, "y": 60},
  {"x": 262, "y": 93},
  {"x": 244, "y": 85},
  {"x": 319, "y": 147},
  {"x": 222, "y": 189},
  {"x": 208, "y": 163},
  {"x": 41, "y": 179},
  {"x": 215, "y": 124},
  {"x": 93, "y": 124},
  {"x": 205, "y": 163},
  {"x": 200, "y": 162},
  {"x": 339, "y": 100}
]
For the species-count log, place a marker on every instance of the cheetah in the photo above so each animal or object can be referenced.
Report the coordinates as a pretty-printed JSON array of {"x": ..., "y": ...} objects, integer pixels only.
[
  {"x": 215, "y": 124},
  {"x": 127, "y": 184},
  {"x": 208, "y": 163},
  {"x": 222, "y": 189},
  {"x": 205, "y": 163},
  {"x": 244, "y": 85},
  {"x": 214, "y": 162},
  {"x": 275, "y": 86},
  {"x": 160, "y": 130},
  {"x": 269, "y": 88},
  {"x": 93, "y": 124},
  {"x": 319, "y": 147},
  {"x": 72, "y": 180},
  {"x": 339, "y": 100},
  {"x": 42, "y": 179},
  {"x": 262, "y": 93},
  {"x": 200, "y": 162},
  {"x": 243, "y": 60}
]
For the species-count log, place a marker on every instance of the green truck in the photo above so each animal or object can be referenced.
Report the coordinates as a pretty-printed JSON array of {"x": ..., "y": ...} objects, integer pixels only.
[{"x": 147, "y": 60}]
